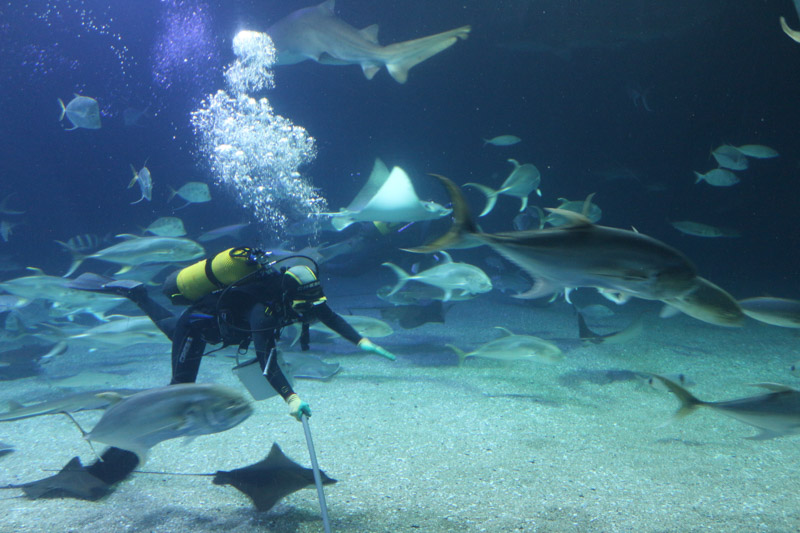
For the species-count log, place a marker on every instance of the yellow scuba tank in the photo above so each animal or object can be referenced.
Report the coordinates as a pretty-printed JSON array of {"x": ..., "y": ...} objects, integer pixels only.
[{"x": 204, "y": 277}]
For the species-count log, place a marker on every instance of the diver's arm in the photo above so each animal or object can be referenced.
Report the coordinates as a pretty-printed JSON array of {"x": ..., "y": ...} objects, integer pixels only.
[
  {"x": 263, "y": 327},
  {"x": 327, "y": 316},
  {"x": 334, "y": 321}
]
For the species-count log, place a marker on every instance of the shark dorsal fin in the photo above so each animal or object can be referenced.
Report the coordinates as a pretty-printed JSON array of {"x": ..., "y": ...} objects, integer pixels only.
[
  {"x": 38, "y": 271},
  {"x": 573, "y": 219},
  {"x": 370, "y": 33}
]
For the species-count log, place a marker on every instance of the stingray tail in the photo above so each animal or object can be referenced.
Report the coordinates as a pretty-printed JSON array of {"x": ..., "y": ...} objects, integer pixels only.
[
  {"x": 491, "y": 197},
  {"x": 402, "y": 57},
  {"x": 402, "y": 277},
  {"x": 688, "y": 402}
]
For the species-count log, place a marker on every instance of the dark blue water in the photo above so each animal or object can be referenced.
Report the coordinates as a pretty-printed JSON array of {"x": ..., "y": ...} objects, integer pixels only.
[{"x": 555, "y": 73}]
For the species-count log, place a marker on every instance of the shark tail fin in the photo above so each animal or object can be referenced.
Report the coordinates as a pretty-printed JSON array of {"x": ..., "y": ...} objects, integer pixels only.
[
  {"x": 491, "y": 197},
  {"x": 402, "y": 57},
  {"x": 402, "y": 277},
  {"x": 688, "y": 402},
  {"x": 463, "y": 224}
]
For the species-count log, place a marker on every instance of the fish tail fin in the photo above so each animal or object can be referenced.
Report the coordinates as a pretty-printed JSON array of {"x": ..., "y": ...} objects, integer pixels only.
[
  {"x": 402, "y": 277},
  {"x": 463, "y": 224},
  {"x": 172, "y": 193},
  {"x": 459, "y": 352},
  {"x": 699, "y": 176},
  {"x": 491, "y": 197},
  {"x": 77, "y": 259},
  {"x": 402, "y": 57},
  {"x": 135, "y": 177},
  {"x": 137, "y": 201},
  {"x": 63, "y": 109},
  {"x": 688, "y": 402}
]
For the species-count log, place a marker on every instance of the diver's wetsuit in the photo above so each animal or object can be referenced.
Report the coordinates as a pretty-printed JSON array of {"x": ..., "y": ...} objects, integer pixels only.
[{"x": 254, "y": 311}]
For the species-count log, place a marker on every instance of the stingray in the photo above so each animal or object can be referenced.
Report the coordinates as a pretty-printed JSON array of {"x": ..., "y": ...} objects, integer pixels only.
[
  {"x": 412, "y": 316},
  {"x": 387, "y": 197},
  {"x": 83, "y": 482}
]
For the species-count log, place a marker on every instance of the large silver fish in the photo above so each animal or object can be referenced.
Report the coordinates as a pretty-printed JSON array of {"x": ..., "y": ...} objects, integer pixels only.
[
  {"x": 316, "y": 33},
  {"x": 139, "y": 422},
  {"x": 135, "y": 250},
  {"x": 776, "y": 413},
  {"x": 580, "y": 254}
]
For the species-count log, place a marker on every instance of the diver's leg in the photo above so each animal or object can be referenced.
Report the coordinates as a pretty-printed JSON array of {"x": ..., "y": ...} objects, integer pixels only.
[{"x": 187, "y": 351}]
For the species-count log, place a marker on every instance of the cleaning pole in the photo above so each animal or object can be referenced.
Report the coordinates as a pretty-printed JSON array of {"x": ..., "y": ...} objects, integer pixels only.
[{"x": 317, "y": 478}]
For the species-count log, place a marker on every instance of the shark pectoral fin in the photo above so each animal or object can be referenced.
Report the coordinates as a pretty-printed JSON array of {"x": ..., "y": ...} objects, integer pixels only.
[
  {"x": 370, "y": 69},
  {"x": 539, "y": 289}
]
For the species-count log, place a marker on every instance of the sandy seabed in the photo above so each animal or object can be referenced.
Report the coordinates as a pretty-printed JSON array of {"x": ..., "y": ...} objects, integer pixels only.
[{"x": 422, "y": 444}]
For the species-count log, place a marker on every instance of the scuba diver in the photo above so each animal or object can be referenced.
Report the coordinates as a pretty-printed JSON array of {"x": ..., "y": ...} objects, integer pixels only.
[{"x": 234, "y": 298}]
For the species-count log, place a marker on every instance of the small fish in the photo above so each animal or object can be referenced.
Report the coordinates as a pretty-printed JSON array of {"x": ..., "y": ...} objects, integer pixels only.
[
  {"x": 698, "y": 229},
  {"x": 233, "y": 231},
  {"x": 776, "y": 413},
  {"x": 757, "y": 151},
  {"x": 139, "y": 422},
  {"x": 512, "y": 347},
  {"x": 194, "y": 192},
  {"x": 87, "y": 242},
  {"x": 523, "y": 180},
  {"x": 502, "y": 140},
  {"x": 774, "y": 311},
  {"x": 728, "y": 156},
  {"x": 448, "y": 276},
  {"x": 145, "y": 182},
  {"x": 719, "y": 177},
  {"x": 166, "y": 227},
  {"x": 82, "y": 111}
]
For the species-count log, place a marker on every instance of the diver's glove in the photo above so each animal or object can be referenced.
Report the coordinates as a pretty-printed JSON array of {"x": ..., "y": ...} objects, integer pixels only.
[
  {"x": 369, "y": 346},
  {"x": 297, "y": 407}
]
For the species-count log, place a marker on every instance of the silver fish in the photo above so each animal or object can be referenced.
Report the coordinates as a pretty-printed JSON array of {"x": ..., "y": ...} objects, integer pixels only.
[
  {"x": 82, "y": 401},
  {"x": 502, "y": 140},
  {"x": 709, "y": 303},
  {"x": 757, "y": 151},
  {"x": 774, "y": 311},
  {"x": 139, "y": 422},
  {"x": 166, "y": 227},
  {"x": 776, "y": 413},
  {"x": 522, "y": 181},
  {"x": 448, "y": 276},
  {"x": 719, "y": 177},
  {"x": 82, "y": 111},
  {"x": 579, "y": 255},
  {"x": 194, "y": 192},
  {"x": 698, "y": 229},
  {"x": 135, "y": 250},
  {"x": 145, "y": 180},
  {"x": 511, "y": 347},
  {"x": 728, "y": 156}
]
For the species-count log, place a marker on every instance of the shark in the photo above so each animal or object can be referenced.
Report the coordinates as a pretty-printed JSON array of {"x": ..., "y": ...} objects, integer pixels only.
[{"x": 316, "y": 33}]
